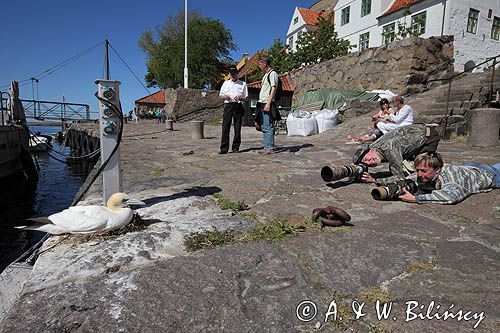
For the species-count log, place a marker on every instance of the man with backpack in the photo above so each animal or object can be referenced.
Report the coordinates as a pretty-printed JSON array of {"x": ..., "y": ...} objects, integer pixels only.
[{"x": 267, "y": 112}]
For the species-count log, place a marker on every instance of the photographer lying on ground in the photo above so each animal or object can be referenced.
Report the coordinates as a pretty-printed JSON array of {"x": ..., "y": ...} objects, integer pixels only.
[
  {"x": 451, "y": 183},
  {"x": 401, "y": 144}
]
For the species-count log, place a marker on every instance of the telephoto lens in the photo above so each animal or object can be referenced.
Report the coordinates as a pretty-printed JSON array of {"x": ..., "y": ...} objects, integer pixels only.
[
  {"x": 336, "y": 173},
  {"x": 394, "y": 190}
]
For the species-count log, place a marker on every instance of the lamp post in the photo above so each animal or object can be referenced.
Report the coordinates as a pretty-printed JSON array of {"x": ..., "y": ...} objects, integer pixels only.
[
  {"x": 33, "y": 80},
  {"x": 185, "y": 44},
  {"x": 245, "y": 65}
]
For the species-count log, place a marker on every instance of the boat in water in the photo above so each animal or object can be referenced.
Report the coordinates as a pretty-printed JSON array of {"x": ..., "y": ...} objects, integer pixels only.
[{"x": 39, "y": 143}]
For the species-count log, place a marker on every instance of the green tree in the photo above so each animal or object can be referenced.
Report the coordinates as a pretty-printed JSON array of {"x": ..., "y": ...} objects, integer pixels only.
[
  {"x": 277, "y": 52},
  {"x": 407, "y": 31},
  {"x": 318, "y": 45},
  {"x": 209, "y": 44}
]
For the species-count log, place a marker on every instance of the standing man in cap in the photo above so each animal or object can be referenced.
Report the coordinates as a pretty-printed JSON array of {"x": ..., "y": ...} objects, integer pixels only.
[
  {"x": 266, "y": 105},
  {"x": 233, "y": 92},
  {"x": 396, "y": 147}
]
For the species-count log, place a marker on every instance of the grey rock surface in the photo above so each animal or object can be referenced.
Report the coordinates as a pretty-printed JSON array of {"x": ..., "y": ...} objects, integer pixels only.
[{"x": 392, "y": 251}]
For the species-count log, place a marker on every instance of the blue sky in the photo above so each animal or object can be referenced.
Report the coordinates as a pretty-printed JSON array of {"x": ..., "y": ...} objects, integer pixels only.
[{"x": 37, "y": 35}]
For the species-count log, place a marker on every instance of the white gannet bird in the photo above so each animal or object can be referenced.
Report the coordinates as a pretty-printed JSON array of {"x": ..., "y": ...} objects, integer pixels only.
[{"x": 87, "y": 219}]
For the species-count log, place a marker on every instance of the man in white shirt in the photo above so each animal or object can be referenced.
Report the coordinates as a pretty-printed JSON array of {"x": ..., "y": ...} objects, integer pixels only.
[
  {"x": 233, "y": 92},
  {"x": 403, "y": 116}
]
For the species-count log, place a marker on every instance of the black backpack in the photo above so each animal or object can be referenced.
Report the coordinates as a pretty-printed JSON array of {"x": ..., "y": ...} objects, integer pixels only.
[{"x": 279, "y": 88}]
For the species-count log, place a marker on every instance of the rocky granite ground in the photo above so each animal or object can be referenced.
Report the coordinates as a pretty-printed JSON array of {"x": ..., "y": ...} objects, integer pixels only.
[{"x": 425, "y": 261}]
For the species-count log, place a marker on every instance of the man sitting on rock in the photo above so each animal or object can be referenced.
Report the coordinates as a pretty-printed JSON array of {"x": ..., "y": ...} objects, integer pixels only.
[
  {"x": 396, "y": 147},
  {"x": 451, "y": 184}
]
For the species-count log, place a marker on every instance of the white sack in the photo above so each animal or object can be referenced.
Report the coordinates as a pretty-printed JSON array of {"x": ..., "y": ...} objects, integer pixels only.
[
  {"x": 326, "y": 119},
  {"x": 301, "y": 123}
]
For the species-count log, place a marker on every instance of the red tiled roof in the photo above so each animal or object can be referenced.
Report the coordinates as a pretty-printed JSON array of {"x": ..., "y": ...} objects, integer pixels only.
[
  {"x": 155, "y": 98},
  {"x": 251, "y": 64},
  {"x": 285, "y": 80},
  {"x": 398, "y": 5},
  {"x": 310, "y": 16}
]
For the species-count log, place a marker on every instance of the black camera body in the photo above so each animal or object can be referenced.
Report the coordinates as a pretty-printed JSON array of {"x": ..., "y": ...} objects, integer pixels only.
[
  {"x": 394, "y": 190},
  {"x": 336, "y": 173}
]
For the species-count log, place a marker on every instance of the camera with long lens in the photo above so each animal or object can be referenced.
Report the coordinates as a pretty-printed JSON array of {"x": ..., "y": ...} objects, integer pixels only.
[
  {"x": 354, "y": 171},
  {"x": 394, "y": 190}
]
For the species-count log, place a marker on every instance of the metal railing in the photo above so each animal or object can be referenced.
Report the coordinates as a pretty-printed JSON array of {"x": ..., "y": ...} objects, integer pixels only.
[
  {"x": 48, "y": 110},
  {"x": 450, "y": 80}
]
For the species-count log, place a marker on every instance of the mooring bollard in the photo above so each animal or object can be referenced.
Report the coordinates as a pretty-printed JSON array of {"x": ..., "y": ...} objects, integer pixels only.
[
  {"x": 484, "y": 125},
  {"x": 169, "y": 125},
  {"x": 197, "y": 129}
]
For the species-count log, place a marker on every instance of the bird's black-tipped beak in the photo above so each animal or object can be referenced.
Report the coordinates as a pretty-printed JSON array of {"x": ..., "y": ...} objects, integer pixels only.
[{"x": 133, "y": 202}]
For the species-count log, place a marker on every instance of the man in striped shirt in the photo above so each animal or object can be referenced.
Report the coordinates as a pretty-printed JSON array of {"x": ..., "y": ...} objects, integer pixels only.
[{"x": 451, "y": 184}]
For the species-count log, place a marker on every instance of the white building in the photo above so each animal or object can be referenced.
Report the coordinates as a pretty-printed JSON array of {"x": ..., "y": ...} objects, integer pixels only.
[
  {"x": 302, "y": 20},
  {"x": 475, "y": 24}
]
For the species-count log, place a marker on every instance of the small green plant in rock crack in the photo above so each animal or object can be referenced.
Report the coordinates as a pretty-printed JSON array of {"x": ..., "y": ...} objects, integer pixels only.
[
  {"x": 251, "y": 215},
  {"x": 372, "y": 295},
  {"x": 273, "y": 231},
  {"x": 421, "y": 266},
  {"x": 226, "y": 204},
  {"x": 209, "y": 239},
  {"x": 309, "y": 222}
]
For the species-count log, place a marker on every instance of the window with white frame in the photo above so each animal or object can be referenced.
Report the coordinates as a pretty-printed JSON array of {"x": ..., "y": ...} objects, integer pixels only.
[
  {"x": 472, "y": 21},
  {"x": 344, "y": 18},
  {"x": 296, "y": 20},
  {"x": 290, "y": 42},
  {"x": 299, "y": 34},
  {"x": 388, "y": 33},
  {"x": 495, "y": 29},
  {"x": 418, "y": 22},
  {"x": 364, "y": 41},
  {"x": 366, "y": 7}
]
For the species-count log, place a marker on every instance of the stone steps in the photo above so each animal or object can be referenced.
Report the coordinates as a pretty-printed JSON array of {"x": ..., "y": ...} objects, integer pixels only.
[{"x": 467, "y": 93}]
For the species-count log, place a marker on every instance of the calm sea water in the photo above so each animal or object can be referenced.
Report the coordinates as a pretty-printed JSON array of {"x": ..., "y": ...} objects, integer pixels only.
[
  {"x": 57, "y": 186},
  {"x": 58, "y": 182}
]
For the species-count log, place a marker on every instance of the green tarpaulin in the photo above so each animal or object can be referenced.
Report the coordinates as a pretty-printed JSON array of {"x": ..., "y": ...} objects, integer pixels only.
[{"x": 334, "y": 98}]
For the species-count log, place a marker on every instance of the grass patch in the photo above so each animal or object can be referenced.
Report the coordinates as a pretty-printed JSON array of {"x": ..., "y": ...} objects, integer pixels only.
[
  {"x": 376, "y": 329},
  {"x": 373, "y": 294},
  {"x": 420, "y": 266},
  {"x": 252, "y": 215},
  {"x": 310, "y": 223},
  {"x": 209, "y": 239},
  {"x": 274, "y": 231},
  {"x": 226, "y": 204},
  {"x": 345, "y": 313}
]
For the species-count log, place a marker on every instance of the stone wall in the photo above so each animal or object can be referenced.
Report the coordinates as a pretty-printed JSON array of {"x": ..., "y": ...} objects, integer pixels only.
[
  {"x": 193, "y": 104},
  {"x": 403, "y": 66}
]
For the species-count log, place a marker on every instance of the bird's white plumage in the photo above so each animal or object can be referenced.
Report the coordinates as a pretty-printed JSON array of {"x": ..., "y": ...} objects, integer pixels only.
[{"x": 88, "y": 219}]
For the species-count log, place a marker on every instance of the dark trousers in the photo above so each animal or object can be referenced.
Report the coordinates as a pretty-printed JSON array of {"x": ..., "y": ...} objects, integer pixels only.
[{"x": 233, "y": 112}]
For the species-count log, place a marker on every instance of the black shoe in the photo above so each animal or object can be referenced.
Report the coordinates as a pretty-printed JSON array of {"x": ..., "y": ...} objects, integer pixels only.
[
  {"x": 222, "y": 152},
  {"x": 235, "y": 151}
]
